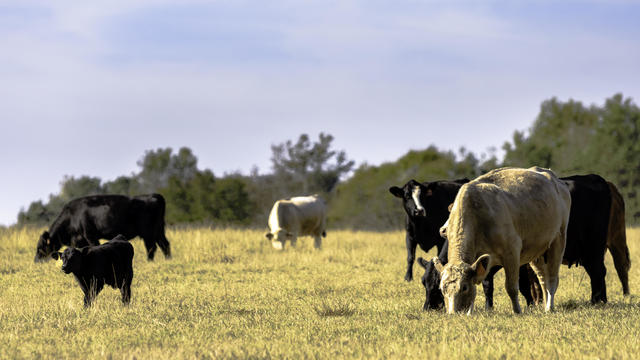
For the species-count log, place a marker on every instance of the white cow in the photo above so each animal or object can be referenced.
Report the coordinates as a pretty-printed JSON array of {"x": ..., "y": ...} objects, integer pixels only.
[
  {"x": 297, "y": 216},
  {"x": 506, "y": 217}
]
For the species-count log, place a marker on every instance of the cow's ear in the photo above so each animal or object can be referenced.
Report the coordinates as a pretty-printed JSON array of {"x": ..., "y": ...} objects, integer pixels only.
[
  {"x": 422, "y": 262},
  {"x": 450, "y": 207},
  {"x": 480, "y": 267},
  {"x": 396, "y": 191},
  {"x": 268, "y": 235},
  {"x": 438, "y": 264}
]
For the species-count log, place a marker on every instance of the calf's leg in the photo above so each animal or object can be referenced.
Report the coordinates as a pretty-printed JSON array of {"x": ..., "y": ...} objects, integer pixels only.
[{"x": 317, "y": 242}]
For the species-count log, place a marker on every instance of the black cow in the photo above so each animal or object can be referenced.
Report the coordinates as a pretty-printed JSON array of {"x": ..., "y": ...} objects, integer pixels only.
[
  {"x": 587, "y": 235},
  {"x": 95, "y": 266},
  {"x": 86, "y": 220},
  {"x": 422, "y": 228}
]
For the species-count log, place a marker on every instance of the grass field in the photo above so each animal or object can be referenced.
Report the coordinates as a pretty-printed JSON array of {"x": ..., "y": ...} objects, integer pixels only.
[{"x": 228, "y": 294}]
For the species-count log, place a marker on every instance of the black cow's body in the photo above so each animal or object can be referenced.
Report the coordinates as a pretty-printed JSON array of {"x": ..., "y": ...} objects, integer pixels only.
[
  {"x": 586, "y": 241},
  {"x": 86, "y": 220},
  {"x": 95, "y": 266},
  {"x": 423, "y": 230}
]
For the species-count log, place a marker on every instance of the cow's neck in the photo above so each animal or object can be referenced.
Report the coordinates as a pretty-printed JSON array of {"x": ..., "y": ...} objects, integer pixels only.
[{"x": 461, "y": 231}]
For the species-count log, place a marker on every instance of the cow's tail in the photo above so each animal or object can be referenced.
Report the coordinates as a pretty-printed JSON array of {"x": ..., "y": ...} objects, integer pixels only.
[{"x": 617, "y": 238}]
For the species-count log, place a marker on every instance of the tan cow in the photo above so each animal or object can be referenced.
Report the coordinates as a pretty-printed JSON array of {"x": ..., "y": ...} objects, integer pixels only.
[
  {"x": 507, "y": 217},
  {"x": 297, "y": 216}
]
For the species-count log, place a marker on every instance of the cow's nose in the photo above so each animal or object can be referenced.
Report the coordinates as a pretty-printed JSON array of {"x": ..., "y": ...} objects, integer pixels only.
[
  {"x": 419, "y": 212},
  {"x": 443, "y": 232}
]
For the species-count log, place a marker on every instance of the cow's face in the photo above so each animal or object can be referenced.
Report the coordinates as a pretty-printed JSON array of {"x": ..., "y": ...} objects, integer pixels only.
[
  {"x": 431, "y": 283},
  {"x": 413, "y": 195},
  {"x": 458, "y": 284},
  {"x": 44, "y": 248},
  {"x": 278, "y": 238},
  {"x": 71, "y": 259}
]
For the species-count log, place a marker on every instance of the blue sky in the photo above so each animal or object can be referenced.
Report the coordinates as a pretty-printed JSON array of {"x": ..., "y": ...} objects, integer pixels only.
[{"x": 86, "y": 88}]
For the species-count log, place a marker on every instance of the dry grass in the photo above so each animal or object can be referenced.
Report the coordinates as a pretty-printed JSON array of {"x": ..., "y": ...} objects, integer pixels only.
[{"x": 227, "y": 294}]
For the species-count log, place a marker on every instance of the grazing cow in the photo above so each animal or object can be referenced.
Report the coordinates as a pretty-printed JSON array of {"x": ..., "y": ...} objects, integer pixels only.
[
  {"x": 86, "y": 220},
  {"x": 507, "y": 217},
  {"x": 297, "y": 216},
  {"x": 589, "y": 228},
  {"x": 95, "y": 266},
  {"x": 426, "y": 208}
]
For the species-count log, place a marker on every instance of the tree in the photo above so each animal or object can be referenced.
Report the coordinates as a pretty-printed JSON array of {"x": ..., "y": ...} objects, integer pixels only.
[
  {"x": 308, "y": 167},
  {"x": 159, "y": 165}
]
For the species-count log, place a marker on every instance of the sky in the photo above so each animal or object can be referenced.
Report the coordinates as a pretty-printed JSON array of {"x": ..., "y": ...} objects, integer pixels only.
[{"x": 87, "y": 87}]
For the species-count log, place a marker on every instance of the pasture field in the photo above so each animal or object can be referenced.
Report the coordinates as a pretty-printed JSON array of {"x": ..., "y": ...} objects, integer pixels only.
[{"x": 228, "y": 294}]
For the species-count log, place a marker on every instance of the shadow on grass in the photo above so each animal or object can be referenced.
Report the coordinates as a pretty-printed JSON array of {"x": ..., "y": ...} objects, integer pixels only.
[{"x": 574, "y": 305}]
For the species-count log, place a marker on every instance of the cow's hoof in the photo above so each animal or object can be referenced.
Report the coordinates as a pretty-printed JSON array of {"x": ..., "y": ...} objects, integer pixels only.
[{"x": 408, "y": 277}]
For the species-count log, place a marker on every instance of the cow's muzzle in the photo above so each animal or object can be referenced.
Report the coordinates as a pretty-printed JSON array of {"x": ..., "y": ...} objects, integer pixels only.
[{"x": 419, "y": 212}]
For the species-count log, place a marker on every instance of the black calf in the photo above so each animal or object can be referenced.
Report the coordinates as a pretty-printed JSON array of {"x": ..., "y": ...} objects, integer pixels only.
[{"x": 95, "y": 266}]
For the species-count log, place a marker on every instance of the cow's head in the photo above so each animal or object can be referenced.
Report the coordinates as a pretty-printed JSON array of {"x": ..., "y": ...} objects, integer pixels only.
[
  {"x": 413, "y": 195},
  {"x": 71, "y": 259},
  {"x": 278, "y": 238},
  {"x": 431, "y": 283},
  {"x": 45, "y": 248},
  {"x": 458, "y": 283}
]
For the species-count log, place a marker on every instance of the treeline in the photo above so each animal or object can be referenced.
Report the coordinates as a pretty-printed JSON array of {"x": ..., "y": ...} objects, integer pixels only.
[
  {"x": 197, "y": 196},
  {"x": 568, "y": 137}
]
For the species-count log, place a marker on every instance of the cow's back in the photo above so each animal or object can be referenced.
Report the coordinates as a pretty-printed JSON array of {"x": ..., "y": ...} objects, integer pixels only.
[
  {"x": 110, "y": 215},
  {"x": 312, "y": 211},
  {"x": 304, "y": 215},
  {"x": 111, "y": 261}
]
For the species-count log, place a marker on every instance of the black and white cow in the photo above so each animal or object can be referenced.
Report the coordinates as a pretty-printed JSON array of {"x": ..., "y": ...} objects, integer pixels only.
[
  {"x": 95, "y": 266},
  {"x": 426, "y": 207},
  {"x": 86, "y": 220}
]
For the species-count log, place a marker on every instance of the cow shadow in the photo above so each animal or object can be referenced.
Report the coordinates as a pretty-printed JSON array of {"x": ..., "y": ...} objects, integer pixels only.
[{"x": 629, "y": 302}]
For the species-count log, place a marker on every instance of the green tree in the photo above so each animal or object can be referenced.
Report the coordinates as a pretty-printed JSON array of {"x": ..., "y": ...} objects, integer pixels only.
[
  {"x": 156, "y": 167},
  {"x": 310, "y": 167}
]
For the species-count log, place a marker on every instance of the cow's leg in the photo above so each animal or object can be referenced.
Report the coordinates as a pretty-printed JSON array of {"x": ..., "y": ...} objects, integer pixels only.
[
  {"x": 294, "y": 241},
  {"x": 151, "y": 247},
  {"x": 597, "y": 271},
  {"x": 411, "y": 256},
  {"x": 317, "y": 242},
  {"x": 487, "y": 288},
  {"x": 548, "y": 270},
  {"x": 511, "y": 266},
  {"x": 525, "y": 285},
  {"x": 164, "y": 244},
  {"x": 125, "y": 289},
  {"x": 620, "y": 255},
  {"x": 94, "y": 288}
]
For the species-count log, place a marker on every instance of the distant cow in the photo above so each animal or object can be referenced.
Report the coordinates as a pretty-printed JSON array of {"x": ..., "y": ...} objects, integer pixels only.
[
  {"x": 507, "y": 217},
  {"x": 297, "y": 216},
  {"x": 86, "y": 220},
  {"x": 426, "y": 207},
  {"x": 95, "y": 266}
]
